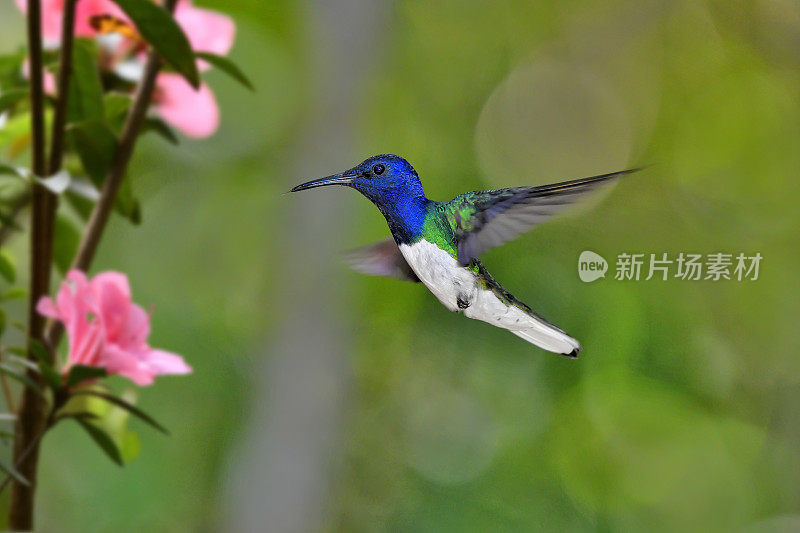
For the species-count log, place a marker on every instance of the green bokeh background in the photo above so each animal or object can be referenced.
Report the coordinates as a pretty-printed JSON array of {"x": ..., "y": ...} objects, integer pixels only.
[{"x": 682, "y": 412}]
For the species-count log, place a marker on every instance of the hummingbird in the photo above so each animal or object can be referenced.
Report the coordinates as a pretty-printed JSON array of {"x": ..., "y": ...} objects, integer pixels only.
[{"x": 439, "y": 243}]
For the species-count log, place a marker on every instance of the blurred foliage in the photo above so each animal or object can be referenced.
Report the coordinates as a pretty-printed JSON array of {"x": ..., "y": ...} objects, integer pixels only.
[{"x": 680, "y": 413}]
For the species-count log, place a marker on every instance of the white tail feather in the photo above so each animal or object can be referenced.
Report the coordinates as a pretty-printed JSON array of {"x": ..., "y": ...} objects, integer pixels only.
[{"x": 551, "y": 340}]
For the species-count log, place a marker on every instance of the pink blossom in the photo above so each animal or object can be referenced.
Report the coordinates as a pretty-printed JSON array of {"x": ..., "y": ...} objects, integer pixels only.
[
  {"x": 207, "y": 30},
  {"x": 194, "y": 112},
  {"x": 53, "y": 14},
  {"x": 106, "y": 329}
]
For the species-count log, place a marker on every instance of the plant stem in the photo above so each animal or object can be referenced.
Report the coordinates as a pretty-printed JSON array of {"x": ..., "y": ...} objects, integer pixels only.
[
  {"x": 31, "y": 422},
  {"x": 102, "y": 209},
  {"x": 59, "y": 119},
  {"x": 31, "y": 416},
  {"x": 61, "y": 398},
  {"x": 116, "y": 174}
]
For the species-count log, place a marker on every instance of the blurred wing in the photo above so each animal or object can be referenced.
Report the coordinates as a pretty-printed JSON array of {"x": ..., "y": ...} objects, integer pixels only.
[
  {"x": 381, "y": 259},
  {"x": 484, "y": 219}
]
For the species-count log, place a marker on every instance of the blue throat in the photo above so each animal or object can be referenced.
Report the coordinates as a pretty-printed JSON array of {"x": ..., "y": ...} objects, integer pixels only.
[
  {"x": 406, "y": 218},
  {"x": 404, "y": 213}
]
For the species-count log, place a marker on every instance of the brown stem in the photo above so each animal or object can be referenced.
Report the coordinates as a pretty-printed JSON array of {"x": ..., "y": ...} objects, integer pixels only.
[
  {"x": 59, "y": 119},
  {"x": 102, "y": 209},
  {"x": 61, "y": 398},
  {"x": 113, "y": 180},
  {"x": 24, "y": 455},
  {"x": 32, "y": 409},
  {"x": 31, "y": 421}
]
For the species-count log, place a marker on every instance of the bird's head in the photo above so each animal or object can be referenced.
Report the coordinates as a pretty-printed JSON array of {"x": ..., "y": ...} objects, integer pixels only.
[{"x": 387, "y": 180}]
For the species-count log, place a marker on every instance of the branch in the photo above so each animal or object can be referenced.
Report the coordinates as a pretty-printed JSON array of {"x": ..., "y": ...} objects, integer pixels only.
[
  {"x": 64, "y": 75},
  {"x": 102, "y": 210},
  {"x": 59, "y": 400},
  {"x": 30, "y": 419},
  {"x": 59, "y": 122}
]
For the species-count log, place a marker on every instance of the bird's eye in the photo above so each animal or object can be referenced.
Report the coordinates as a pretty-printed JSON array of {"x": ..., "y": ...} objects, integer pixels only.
[{"x": 378, "y": 169}]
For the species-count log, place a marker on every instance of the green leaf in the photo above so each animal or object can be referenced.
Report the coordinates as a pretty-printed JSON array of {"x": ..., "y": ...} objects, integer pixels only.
[
  {"x": 57, "y": 183},
  {"x": 131, "y": 446},
  {"x": 96, "y": 144},
  {"x": 22, "y": 361},
  {"x": 11, "y": 471},
  {"x": 82, "y": 195},
  {"x": 81, "y": 415},
  {"x": 16, "y": 130},
  {"x": 3, "y": 321},
  {"x": 6, "y": 220},
  {"x": 44, "y": 366},
  {"x": 18, "y": 350},
  {"x": 20, "y": 376},
  {"x": 80, "y": 373},
  {"x": 14, "y": 293},
  {"x": 12, "y": 170},
  {"x": 159, "y": 28},
  {"x": 65, "y": 243},
  {"x": 117, "y": 105},
  {"x": 119, "y": 402},
  {"x": 160, "y": 128},
  {"x": 101, "y": 438},
  {"x": 50, "y": 375},
  {"x": 11, "y": 67},
  {"x": 126, "y": 203},
  {"x": 85, "y": 88},
  {"x": 227, "y": 66},
  {"x": 9, "y": 99},
  {"x": 40, "y": 351},
  {"x": 7, "y": 266}
]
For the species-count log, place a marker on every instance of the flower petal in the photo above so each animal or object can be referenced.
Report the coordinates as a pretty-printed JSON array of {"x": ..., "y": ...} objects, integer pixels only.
[
  {"x": 47, "y": 307},
  {"x": 195, "y": 113},
  {"x": 127, "y": 364},
  {"x": 207, "y": 30},
  {"x": 106, "y": 329},
  {"x": 53, "y": 14},
  {"x": 161, "y": 362},
  {"x": 112, "y": 303}
]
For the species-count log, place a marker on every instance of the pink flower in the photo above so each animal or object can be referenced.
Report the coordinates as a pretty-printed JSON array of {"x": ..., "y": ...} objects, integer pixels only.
[
  {"x": 207, "y": 31},
  {"x": 53, "y": 14},
  {"x": 106, "y": 329},
  {"x": 194, "y": 112}
]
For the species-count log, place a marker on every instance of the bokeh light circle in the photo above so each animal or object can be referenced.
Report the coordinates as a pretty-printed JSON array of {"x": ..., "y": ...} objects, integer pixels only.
[{"x": 551, "y": 120}]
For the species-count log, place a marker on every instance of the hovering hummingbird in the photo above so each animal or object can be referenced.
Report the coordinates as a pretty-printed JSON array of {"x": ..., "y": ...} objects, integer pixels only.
[{"x": 438, "y": 243}]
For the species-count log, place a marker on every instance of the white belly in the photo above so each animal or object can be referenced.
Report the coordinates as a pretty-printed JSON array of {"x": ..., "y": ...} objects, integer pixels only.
[
  {"x": 458, "y": 289},
  {"x": 441, "y": 273}
]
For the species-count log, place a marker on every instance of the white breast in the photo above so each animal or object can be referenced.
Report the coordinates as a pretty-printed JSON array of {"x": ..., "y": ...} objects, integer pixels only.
[
  {"x": 453, "y": 284},
  {"x": 440, "y": 272}
]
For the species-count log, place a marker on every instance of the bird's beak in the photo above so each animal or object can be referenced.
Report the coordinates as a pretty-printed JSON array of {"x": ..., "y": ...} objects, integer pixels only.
[{"x": 336, "y": 179}]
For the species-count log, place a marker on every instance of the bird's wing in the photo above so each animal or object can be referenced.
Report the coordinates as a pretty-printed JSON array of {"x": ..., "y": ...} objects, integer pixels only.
[
  {"x": 381, "y": 259},
  {"x": 484, "y": 219}
]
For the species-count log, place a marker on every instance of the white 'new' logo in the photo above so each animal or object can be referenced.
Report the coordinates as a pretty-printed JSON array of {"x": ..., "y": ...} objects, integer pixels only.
[{"x": 591, "y": 266}]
